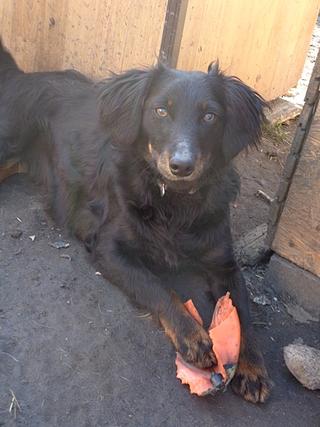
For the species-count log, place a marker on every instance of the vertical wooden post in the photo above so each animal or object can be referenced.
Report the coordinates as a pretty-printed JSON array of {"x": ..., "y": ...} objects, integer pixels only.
[
  {"x": 172, "y": 31},
  {"x": 304, "y": 123}
]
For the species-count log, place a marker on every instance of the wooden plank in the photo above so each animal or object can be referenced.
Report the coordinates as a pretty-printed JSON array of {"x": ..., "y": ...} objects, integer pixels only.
[
  {"x": 281, "y": 111},
  {"x": 263, "y": 42},
  {"x": 298, "y": 233},
  {"x": 92, "y": 36}
]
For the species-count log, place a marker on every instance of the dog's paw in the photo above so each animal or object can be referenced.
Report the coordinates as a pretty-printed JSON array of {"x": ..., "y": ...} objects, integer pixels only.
[
  {"x": 252, "y": 382},
  {"x": 195, "y": 346}
]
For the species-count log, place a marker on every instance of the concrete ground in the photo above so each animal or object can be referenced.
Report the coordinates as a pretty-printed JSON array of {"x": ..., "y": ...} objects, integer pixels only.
[{"x": 75, "y": 353}]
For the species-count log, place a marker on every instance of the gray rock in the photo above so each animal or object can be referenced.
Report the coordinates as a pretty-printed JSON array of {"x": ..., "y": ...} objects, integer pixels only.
[{"x": 304, "y": 363}]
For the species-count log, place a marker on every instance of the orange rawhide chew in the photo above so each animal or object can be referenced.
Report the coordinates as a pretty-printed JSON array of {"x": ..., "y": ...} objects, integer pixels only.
[
  {"x": 224, "y": 332},
  {"x": 199, "y": 380}
]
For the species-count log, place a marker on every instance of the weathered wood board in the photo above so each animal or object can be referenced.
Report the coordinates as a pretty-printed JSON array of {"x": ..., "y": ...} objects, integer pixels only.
[
  {"x": 298, "y": 232},
  {"x": 92, "y": 36},
  {"x": 263, "y": 42},
  {"x": 294, "y": 284}
]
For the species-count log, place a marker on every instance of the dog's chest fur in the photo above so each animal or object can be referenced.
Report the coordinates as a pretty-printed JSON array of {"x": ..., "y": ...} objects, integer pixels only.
[
  {"x": 173, "y": 228},
  {"x": 165, "y": 226}
]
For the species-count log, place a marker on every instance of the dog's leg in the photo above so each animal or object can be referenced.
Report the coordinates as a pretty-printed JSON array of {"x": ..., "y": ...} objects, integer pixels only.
[
  {"x": 251, "y": 379},
  {"x": 142, "y": 286},
  {"x": 85, "y": 226},
  {"x": 9, "y": 149}
]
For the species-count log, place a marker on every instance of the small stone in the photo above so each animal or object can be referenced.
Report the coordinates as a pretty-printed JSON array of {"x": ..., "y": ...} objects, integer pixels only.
[
  {"x": 262, "y": 300},
  {"x": 15, "y": 234},
  {"x": 304, "y": 364},
  {"x": 60, "y": 244}
]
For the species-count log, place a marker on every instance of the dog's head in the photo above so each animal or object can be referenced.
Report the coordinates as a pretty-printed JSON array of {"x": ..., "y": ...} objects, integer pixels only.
[{"x": 183, "y": 123}]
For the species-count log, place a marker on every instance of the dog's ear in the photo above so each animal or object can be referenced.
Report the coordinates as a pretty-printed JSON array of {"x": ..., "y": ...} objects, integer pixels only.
[
  {"x": 244, "y": 117},
  {"x": 214, "y": 68},
  {"x": 121, "y": 102},
  {"x": 244, "y": 113}
]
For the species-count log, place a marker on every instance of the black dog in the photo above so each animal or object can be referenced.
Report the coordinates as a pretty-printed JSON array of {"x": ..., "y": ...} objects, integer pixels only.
[{"x": 138, "y": 166}]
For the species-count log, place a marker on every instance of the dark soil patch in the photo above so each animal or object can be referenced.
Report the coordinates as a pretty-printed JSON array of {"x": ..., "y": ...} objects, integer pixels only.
[{"x": 260, "y": 169}]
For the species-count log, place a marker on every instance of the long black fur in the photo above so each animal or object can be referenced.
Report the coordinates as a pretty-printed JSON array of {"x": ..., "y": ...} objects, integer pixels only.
[{"x": 93, "y": 148}]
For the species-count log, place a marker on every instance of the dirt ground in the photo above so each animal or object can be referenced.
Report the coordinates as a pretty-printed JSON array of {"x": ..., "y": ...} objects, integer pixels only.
[
  {"x": 75, "y": 353},
  {"x": 260, "y": 169}
]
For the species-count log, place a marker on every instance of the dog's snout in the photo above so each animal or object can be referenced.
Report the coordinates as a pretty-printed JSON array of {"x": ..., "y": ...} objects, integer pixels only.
[{"x": 182, "y": 164}]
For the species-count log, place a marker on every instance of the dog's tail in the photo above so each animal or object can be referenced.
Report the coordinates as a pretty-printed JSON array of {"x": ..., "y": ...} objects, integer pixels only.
[
  {"x": 9, "y": 144},
  {"x": 6, "y": 59}
]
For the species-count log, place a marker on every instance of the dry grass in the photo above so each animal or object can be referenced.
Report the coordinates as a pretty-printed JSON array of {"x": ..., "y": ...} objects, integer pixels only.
[
  {"x": 14, "y": 405},
  {"x": 277, "y": 132}
]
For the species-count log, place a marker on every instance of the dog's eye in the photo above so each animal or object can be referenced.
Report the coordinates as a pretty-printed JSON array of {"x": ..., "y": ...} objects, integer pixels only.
[
  {"x": 209, "y": 117},
  {"x": 161, "y": 112}
]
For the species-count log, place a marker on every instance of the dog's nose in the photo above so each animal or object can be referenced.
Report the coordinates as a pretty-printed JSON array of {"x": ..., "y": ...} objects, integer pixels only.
[{"x": 181, "y": 165}]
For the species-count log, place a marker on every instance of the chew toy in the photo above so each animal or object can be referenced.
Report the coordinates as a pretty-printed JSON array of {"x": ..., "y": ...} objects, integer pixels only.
[{"x": 224, "y": 332}]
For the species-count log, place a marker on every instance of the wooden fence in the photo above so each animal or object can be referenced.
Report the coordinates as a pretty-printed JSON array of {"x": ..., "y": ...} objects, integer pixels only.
[
  {"x": 264, "y": 42},
  {"x": 294, "y": 228}
]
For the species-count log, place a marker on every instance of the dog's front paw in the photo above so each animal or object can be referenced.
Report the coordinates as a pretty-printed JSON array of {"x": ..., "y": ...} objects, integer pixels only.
[
  {"x": 252, "y": 382},
  {"x": 195, "y": 345}
]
